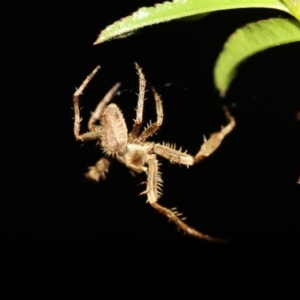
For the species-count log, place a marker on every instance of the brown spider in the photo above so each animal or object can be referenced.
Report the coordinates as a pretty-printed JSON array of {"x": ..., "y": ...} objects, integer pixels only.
[{"x": 134, "y": 151}]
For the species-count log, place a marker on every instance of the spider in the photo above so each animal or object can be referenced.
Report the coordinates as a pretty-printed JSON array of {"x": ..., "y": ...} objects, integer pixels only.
[{"x": 134, "y": 151}]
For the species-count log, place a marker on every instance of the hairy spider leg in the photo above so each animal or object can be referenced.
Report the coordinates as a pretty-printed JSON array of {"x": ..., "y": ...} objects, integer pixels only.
[
  {"x": 99, "y": 170},
  {"x": 215, "y": 140},
  {"x": 94, "y": 133},
  {"x": 140, "y": 105},
  {"x": 76, "y": 96},
  {"x": 150, "y": 130},
  {"x": 169, "y": 152},
  {"x": 153, "y": 193},
  {"x": 96, "y": 115}
]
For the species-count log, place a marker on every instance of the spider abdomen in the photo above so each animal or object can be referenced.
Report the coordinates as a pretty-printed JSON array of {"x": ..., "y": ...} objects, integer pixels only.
[{"x": 114, "y": 131}]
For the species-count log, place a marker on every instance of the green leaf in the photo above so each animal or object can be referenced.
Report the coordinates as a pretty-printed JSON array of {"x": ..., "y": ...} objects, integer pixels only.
[
  {"x": 250, "y": 39},
  {"x": 194, "y": 18},
  {"x": 294, "y": 6},
  {"x": 178, "y": 9}
]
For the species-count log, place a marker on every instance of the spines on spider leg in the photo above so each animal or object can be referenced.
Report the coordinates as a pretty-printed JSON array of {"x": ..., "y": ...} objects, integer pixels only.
[
  {"x": 169, "y": 152},
  {"x": 159, "y": 182},
  {"x": 154, "y": 180},
  {"x": 150, "y": 130},
  {"x": 86, "y": 81},
  {"x": 76, "y": 96},
  {"x": 178, "y": 214},
  {"x": 172, "y": 214},
  {"x": 91, "y": 135},
  {"x": 215, "y": 140},
  {"x": 140, "y": 104},
  {"x": 169, "y": 213},
  {"x": 148, "y": 125}
]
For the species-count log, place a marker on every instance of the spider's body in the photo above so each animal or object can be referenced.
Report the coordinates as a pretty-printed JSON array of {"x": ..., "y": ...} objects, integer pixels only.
[
  {"x": 134, "y": 151},
  {"x": 114, "y": 131}
]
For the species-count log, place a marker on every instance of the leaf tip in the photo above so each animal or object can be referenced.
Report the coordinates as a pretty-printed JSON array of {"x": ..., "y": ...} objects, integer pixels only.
[
  {"x": 98, "y": 41},
  {"x": 101, "y": 38}
]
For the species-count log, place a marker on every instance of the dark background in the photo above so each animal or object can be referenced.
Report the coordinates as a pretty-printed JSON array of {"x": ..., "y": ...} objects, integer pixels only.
[{"x": 246, "y": 192}]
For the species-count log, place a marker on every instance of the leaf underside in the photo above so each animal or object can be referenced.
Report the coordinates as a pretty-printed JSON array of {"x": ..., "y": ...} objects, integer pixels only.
[
  {"x": 251, "y": 39},
  {"x": 178, "y": 9}
]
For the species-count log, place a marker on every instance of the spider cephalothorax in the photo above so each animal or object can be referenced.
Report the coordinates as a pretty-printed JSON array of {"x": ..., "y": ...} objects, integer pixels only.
[{"x": 133, "y": 150}]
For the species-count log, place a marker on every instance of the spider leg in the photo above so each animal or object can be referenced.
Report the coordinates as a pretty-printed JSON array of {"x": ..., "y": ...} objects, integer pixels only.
[
  {"x": 95, "y": 117},
  {"x": 215, "y": 140},
  {"x": 140, "y": 105},
  {"x": 153, "y": 186},
  {"x": 169, "y": 152},
  {"x": 77, "y": 118},
  {"x": 160, "y": 116},
  {"x": 99, "y": 170}
]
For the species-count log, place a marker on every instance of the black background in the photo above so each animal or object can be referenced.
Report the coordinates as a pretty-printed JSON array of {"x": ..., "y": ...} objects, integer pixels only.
[{"x": 246, "y": 192}]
